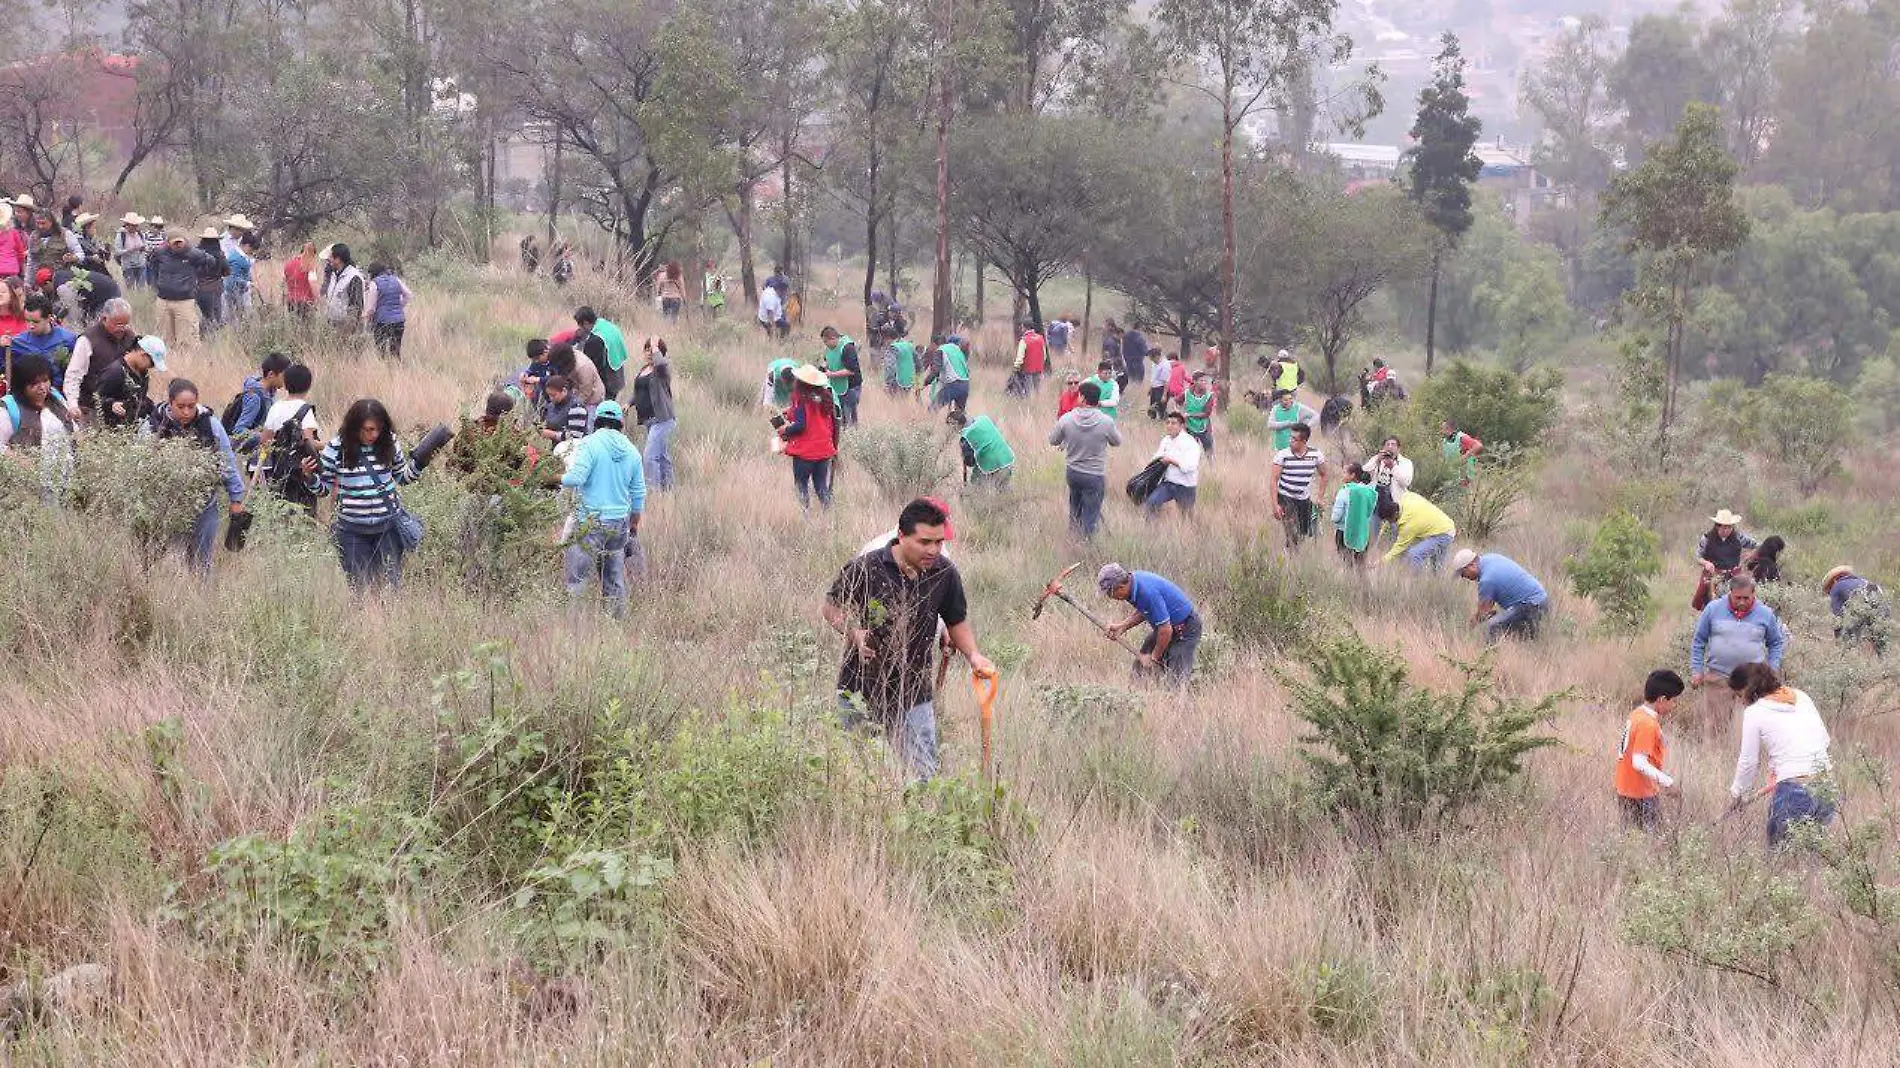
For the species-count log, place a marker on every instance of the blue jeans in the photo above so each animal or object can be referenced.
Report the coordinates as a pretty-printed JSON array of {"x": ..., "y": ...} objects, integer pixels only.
[
  {"x": 1086, "y": 493},
  {"x": 601, "y": 549},
  {"x": 1793, "y": 802},
  {"x": 809, "y": 476},
  {"x": 913, "y": 735},
  {"x": 953, "y": 395},
  {"x": 1170, "y": 491},
  {"x": 1519, "y": 620},
  {"x": 204, "y": 535},
  {"x": 848, "y": 405},
  {"x": 1430, "y": 552},
  {"x": 370, "y": 558},
  {"x": 1206, "y": 438},
  {"x": 659, "y": 453}
]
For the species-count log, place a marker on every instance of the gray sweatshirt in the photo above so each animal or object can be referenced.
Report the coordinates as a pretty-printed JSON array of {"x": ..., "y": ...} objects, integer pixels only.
[{"x": 1085, "y": 435}]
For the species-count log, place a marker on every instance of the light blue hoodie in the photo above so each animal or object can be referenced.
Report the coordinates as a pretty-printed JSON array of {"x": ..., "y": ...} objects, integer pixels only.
[{"x": 606, "y": 470}]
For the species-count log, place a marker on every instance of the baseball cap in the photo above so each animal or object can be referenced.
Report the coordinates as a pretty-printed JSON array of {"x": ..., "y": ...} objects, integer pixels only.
[
  {"x": 1462, "y": 559},
  {"x": 609, "y": 410},
  {"x": 1110, "y": 577},
  {"x": 154, "y": 346}
]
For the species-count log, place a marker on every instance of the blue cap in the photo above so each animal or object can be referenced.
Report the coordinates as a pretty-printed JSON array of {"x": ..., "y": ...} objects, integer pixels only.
[{"x": 609, "y": 410}]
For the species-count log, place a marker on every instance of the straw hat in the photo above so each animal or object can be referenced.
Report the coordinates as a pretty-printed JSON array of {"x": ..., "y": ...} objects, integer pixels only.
[
  {"x": 211, "y": 233},
  {"x": 1462, "y": 559},
  {"x": 156, "y": 220},
  {"x": 85, "y": 217},
  {"x": 1837, "y": 574},
  {"x": 1726, "y": 518},
  {"x": 132, "y": 218},
  {"x": 810, "y": 375},
  {"x": 240, "y": 221},
  {"x": 25, "y": 201}
]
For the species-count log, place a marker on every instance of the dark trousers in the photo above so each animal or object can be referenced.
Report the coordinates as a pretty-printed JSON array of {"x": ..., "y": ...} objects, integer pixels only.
[
  {"x": 388, "y": 338},
  {"x": 1642, "y": 813},
  {"x": 1178, "y": 662},
  {"x": 848, "y": 404},
  {"x": 369, "y": 559},
  {"x": 1157, "y": 401},
  {"x": 1298, "y": 521},
  {"x": 1206, "y": 438},
  {"x": 210, "y": 310},
  {"x": 1086, "y": 493},
  {"x": 812, "y": 476}
]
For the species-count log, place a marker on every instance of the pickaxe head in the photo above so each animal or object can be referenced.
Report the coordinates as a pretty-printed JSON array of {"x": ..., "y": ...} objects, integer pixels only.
[{"x": 1054, "y": 587}]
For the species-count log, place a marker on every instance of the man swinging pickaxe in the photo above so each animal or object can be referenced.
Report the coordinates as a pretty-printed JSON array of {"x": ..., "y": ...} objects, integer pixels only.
[{"x": 1054, "y": 589}]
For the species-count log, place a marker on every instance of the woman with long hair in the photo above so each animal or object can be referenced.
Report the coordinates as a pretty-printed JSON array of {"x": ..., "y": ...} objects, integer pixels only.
[
  {"x": 672, "y": 288},
  {"x": 361, "y": 467},
  {"x": 810, "y": 431},
  {"x": 1781, "y": 724},
  {"x": 35, "y": 416},
  {"x": 653, "y": 405}
]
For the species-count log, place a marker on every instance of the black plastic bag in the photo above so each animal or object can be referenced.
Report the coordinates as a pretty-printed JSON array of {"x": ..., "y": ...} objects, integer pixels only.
[
  {"x": 236, "y": 531},
  {"x": 1143, "y": 484}
]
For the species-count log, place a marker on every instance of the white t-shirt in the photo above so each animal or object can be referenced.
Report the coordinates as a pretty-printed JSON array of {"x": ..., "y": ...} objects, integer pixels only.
[
  {"x": 1185, "y": 449},
  {"x": 281, "y": 411},
  {"x": 771, "y": 308}
]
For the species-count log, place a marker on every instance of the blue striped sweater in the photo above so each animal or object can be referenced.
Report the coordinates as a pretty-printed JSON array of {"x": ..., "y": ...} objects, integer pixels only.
[{"x": 365, "y": 492}]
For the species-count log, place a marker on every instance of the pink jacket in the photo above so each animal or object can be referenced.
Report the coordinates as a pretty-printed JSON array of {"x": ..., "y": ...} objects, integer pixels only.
[{"x": 12, "y": 250}]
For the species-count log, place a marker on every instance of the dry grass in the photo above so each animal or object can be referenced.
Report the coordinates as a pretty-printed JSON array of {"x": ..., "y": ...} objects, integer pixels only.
[{"x": 1176, "y": 903}]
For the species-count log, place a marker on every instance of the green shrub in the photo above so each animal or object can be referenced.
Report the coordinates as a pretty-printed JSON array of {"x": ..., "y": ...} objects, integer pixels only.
[
  {"x": 1388, "y": 754},
  {"x": 1246, "y": 421},
  {"x": 1482, "y": 507},
  {"x": 1263, "y": 605},
  {"x": 1494, "y": 404},
  {"x": 1342, "y": 997},
  {"x": 1087, "y": 703},
  {"x": 591, "y": 899},
  {"x": 905, "y": 460},
  {"x": 956, "y": 834},
  {"x": 1728, "y": 911},
  {"x": 150, "y": 490},
  {"x": 1615, "y": 571},
  {"x": 1810, "y": 444},
  {"x": 327, "y": 896}
]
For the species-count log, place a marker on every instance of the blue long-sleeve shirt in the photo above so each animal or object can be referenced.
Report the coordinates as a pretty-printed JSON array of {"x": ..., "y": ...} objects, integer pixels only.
[
  {"x": 607, "y": 471},
  {"x": 1723, "y": 643},
  {"x": 253, "y": 404}
]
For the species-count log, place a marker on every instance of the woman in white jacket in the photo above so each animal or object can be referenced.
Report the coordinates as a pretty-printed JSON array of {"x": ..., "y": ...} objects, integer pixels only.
[{"x": 1782, "y": 724}]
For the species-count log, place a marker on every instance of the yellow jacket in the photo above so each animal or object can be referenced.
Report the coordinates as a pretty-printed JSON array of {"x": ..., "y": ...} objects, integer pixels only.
[{"x": 1419, "y": 519}]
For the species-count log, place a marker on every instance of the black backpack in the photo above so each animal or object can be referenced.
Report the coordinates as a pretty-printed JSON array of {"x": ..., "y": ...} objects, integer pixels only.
[{"x": 283, "y": 469}]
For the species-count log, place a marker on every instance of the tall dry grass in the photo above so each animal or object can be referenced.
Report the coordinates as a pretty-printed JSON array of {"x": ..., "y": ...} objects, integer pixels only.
[{"x": 1171, "y": 895}]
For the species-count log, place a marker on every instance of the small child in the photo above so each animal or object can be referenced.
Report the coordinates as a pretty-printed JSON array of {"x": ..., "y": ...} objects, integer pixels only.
[
  {"x": 538, "y": 371},
  {"x": 563, "y": 416},
  {"x": 1640, "y": 779}
]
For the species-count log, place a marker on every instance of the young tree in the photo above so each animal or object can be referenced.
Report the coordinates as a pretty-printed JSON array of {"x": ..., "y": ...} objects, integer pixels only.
[
  {"x": 1680, "y": 212},
  {"x": 1255, "y": 51},
  {"x": 1745, "y": 44},
  {"x": 1442, "y": 167},
  {"x": 1569, "y": 97},
  {"x": 1659, "y": 73},
  {"x": 1017, "y": 211},
  {"x": 1346, "y": 249}
]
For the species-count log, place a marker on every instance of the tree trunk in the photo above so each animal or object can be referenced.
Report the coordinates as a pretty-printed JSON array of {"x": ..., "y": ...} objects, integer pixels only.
[
  {"x": 890, "y": 258},
  {"x": 870, "y": 235},
  {"x": 1088, "y": 315},
  {"x": 1223, "y": 389},
  {"x": 1431, "y": 313},
  {"x": 748, "y": 275},
  {"x": 785, "y": 200},
  {"x": 940, "y": 289},
  {"x": 554, "y": 195},
  {"x": 1034, "y": 299},
  {"x": 982, "y": 271}
]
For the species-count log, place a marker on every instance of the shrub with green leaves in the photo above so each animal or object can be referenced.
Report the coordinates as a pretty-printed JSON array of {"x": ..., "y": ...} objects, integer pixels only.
[
  {"x": 905, "y": 460},
  {"x": 1263, "y": 605},
  {"x": 1729, "y": 911},
  {"x": 151, "y": 490},
  {"x": 1494, "y": 404},
  {"x": 1391, "y": 755},
  {"x": 1615, "y": 571},
  {"x": 1807, "y": 424}
]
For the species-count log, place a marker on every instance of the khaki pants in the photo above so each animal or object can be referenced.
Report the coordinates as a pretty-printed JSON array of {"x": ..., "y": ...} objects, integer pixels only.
[
  {"x": 1717, "y": 707},
  {"x": 178, "y": 323}
]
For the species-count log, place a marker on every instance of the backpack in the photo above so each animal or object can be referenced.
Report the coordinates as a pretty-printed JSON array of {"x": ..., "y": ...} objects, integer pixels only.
[
  {"x": 283, "y": 468},
  {"x": 233, "y": 411}
]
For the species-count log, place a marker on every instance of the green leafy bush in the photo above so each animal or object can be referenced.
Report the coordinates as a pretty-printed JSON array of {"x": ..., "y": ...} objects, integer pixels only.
[
  {"x": 1728, "y": 911},
  {"x": 588, "y": 900},
  {"x": 1494, "y": 404},
  {"x": 326, "y": 896},
  {"x": 1391, "y": 755},
  {"x": 151, "y": 490},
  {"x": 905, "y": 460},
  {"x": 1807, "y": 424},
  {"x": 1615, "y": 571},
  {"x": 956, "y": 834},
  {"x": 1263, "y": 605}
]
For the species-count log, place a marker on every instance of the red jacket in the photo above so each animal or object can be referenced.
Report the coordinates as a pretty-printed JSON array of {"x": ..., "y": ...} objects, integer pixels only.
[
  {"x": 1070, "y": 399},
  {"x": 1035, "y": 353},
  {"x": 818, "y": 440},
  {"x": 1177, "y": 380}
]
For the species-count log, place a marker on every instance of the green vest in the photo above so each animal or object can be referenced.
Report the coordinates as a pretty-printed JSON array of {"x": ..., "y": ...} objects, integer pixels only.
[
  {"x": 1361, "y": 499},
  {"x": 1289, "y": 377},
  {"x": 1111, "y": 394},
  {"x": 986, "y": 442},
  {"x": 1195, "y": 408},
  {"x": 906, "y": 362},
  {"x": 781, "y": 394},
  {"x": 834, "y": 361},
  {"x": 956, "y": 364},
  {"x": 615, "y": 341},
  {"x": 1283, "y": 438}
]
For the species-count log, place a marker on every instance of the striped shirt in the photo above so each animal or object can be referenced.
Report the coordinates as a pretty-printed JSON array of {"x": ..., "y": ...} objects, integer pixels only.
[
  {"x": 365, "y": 493},
  {"x": 1297, "y": 472}
]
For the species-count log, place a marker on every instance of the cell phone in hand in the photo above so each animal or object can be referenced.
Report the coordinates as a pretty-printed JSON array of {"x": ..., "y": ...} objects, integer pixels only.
[{"x": 778, "y": 422}]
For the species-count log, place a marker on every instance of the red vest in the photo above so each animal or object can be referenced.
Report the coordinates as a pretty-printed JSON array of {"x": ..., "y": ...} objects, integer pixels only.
[
  {"x": 818, "y": 442},
  {"x": 1035, "y": 352}
]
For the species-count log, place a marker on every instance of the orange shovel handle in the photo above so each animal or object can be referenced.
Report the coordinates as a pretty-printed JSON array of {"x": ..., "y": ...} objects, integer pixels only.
[{"x": 986, "y": 687}]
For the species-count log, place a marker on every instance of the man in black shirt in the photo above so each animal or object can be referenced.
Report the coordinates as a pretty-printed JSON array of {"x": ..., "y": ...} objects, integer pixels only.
[{"x": 887, "y": 604}]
